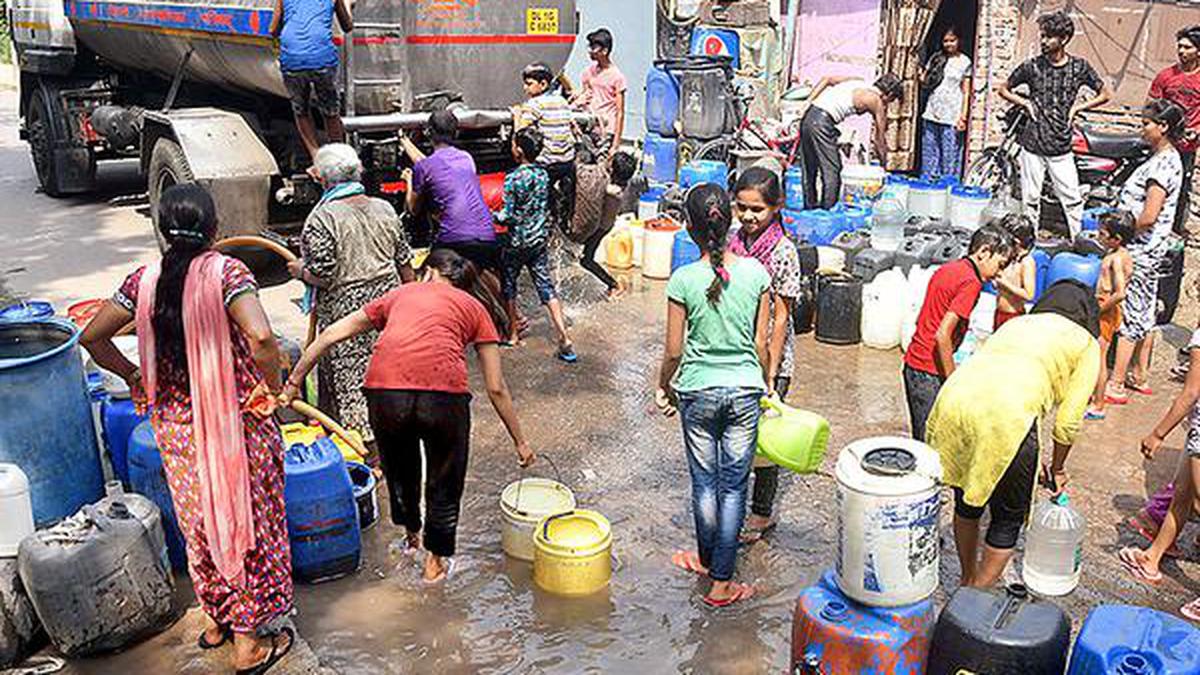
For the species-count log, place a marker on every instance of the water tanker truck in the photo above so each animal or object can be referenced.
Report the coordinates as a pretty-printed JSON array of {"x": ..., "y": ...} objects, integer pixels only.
[{"x": 193, "y": 91}]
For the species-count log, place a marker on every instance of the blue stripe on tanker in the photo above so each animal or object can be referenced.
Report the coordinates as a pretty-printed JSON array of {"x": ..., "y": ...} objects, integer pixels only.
[{"x": 225, "y": 20}]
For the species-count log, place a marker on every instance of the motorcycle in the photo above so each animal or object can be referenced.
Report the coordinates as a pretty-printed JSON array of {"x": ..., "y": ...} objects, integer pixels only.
[{"x": 1104, "y": 160}]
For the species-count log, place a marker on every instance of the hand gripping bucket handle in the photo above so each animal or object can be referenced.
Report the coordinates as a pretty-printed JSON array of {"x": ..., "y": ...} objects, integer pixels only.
[{"x": 521, "y": 483}]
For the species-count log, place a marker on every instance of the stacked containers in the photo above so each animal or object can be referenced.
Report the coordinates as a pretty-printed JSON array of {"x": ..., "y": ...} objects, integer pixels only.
[
  {"x": 704, "y": 99},
  {"x": 720, "y": 42},
  {"x": 118, "y": 419},
  {"x": 926, "y": 199},
  {"x": 835, "y": 635},
  {"x": 793, "y": 189}
]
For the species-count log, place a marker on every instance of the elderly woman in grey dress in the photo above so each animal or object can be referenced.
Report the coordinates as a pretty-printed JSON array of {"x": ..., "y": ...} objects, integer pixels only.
[{"x": 354, "y": 251}]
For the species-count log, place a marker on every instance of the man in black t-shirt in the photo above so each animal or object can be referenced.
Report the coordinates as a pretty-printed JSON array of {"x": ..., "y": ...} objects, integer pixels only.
[{"x": 1053, "y": 80}]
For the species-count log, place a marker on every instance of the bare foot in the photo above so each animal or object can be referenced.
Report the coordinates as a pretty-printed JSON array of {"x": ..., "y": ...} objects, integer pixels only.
[
  {"x": 437, "y": 569},
  {"x": 615, "y": 294}
]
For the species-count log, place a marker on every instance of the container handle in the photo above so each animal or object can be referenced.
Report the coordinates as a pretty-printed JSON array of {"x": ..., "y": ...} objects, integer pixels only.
[
  {"x": 520, "y": 483},
  {"x": 546, "y": 523}
]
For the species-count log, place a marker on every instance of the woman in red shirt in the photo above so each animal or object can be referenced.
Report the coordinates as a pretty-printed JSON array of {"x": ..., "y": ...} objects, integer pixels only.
[
  {"x": 1180, "y": 84},
  {"x": 418, "y": 393}
]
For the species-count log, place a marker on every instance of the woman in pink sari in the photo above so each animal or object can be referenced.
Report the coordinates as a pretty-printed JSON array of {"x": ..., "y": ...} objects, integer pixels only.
[{"x": 209, "y": 366}]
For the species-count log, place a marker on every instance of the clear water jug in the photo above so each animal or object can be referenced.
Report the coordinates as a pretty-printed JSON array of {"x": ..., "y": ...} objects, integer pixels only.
[
  {"x": 1054, "y": 548},
  {"x": 887, "y": 225}
]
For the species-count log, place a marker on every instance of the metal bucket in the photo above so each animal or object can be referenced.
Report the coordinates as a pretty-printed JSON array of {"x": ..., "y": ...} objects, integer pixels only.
[
  {"x": 573, "y": 553},
  {"x": 523, "y": 505}
]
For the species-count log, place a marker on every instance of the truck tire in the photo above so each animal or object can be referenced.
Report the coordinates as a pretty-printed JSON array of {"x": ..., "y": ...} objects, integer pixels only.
[
  {"x": 168, "y": 166},
  {"x": 61, "y": 169}
]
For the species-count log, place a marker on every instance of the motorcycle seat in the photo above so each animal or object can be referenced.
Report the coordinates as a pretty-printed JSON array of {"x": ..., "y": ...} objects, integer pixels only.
[{"x": 1114, "y": 144}]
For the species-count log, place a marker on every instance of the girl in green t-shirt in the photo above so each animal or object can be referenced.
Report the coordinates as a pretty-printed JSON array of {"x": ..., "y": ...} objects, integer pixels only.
[{"x": 714, "y": 371}]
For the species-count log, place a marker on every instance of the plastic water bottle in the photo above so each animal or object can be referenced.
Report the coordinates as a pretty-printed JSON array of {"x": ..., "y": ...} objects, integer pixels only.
[
  {"x": 1054, "y": 548},
  {"x": 887, "y": 225}
]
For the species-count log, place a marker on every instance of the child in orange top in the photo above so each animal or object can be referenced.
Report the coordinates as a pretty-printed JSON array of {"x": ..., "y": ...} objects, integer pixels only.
[
  {"x": 1116, "y": 230},
  {"x": 1017, "y": 283}
]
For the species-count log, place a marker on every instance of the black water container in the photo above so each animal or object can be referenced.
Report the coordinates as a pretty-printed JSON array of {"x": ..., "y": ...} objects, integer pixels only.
[
  {"x": 20, "y": 632},
  {"x": 919, "y": 248},
  {"x": 869, "y": 263},
  {"x": 839, "y": 309},
  {"x": 98, "y": 580},
  {"x": 804, "y": 316},
  {"x": 1006, "y": 632},
  {"x": 704, "y": 97},
  {"x": 852, "y": 243}
]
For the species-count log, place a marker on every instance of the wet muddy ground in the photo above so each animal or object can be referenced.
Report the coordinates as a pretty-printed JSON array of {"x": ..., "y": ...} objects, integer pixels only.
[{"x": 597, "y": 423}]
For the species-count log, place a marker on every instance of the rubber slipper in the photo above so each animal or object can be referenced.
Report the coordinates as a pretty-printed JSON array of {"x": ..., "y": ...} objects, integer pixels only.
[
  {"x": 1143, "y": 389},
  {"x": 276, "y": 656},
  {"x": 451, "y": 566},
  {"x": 752, "y": 535},
  {"x": 689, "y": 561},
  {"x": 1191, "y": 610},
  {"x": 1094, "y": 415},
  {"x": 204, "y": 644},
  {"x": 740, "y": 592},
  {"x": 567, "y": 354},
  {"x": 1138, "y": 525},
  {"x": 1116, "y": 400},
  {"x": 1129, "y": 558}
]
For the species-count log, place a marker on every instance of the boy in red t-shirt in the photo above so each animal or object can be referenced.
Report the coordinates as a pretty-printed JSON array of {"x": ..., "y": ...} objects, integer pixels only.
[
  {"x": 1180, "y": 84},
  {"x": 944, "y": 316}
]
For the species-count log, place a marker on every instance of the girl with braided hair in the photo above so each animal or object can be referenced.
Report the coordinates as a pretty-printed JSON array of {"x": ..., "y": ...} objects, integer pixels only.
[{"x": 714, "y": 370}]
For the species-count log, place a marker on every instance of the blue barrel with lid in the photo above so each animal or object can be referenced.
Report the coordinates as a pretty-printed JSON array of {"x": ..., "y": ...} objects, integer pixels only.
[
  {"x": 1081, "y": 268},
  {"x": 825, "y": 226},
  {"x": 838, "y": 635},
  {"x": 322, "y": 514},
  {"x": 148, "y": 477},
  {"x": 46, "y": 423},
  {"x": 717, "y": 42},
  {"x": 27, "y": 311},
  {"x": 793, "y": 188},
  {"x": 1127, "y": 640},
  {"x": 700, "y": 171},
  {"x": 662, "y": 100}
]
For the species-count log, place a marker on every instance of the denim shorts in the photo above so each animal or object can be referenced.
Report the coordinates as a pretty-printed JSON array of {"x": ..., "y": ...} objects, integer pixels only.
[
  {"x": 310, "y": 89},
  {"x": 536, "y": 259}
]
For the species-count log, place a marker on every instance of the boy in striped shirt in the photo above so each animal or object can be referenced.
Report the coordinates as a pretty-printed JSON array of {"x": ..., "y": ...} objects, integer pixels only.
[{"x": 549, "y": 113}]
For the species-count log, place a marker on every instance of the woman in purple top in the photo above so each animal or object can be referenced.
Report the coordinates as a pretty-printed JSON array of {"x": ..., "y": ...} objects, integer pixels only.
[{"x": 447, "y": 183}]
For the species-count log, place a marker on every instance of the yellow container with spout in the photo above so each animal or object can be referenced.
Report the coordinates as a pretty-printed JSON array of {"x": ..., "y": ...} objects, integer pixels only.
[
  {"x": 573, "y": 553},
  {"x": 620, "y": 248}
]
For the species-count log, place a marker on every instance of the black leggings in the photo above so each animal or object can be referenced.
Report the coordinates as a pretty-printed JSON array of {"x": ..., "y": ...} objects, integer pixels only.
[
  {"x": 403, "y": 420},
  {"x": 821, "y": 157},
  {"x": 1009, "y": 502},
  {"x": 588, "y": 259},
  {"x": 766, "y": 478}
]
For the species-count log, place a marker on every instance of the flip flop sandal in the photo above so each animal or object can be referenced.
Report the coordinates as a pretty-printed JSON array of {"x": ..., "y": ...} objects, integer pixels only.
[
  {"x": 1136, "y": 524},
  {"x": 1116, "y": 400},
  {"x": 276, "y": 656},
  {"x": 1129, "y": 559},
  {"x": 1191, "y": 610},
  {"x": 690, "y": 562},
  {"x": 1143, "y": 389},
  {"x": 753, "y": 535},
  {"x": 451, "y": 566},
  {"x": 740, "y": 592},
  {"x": 567, "y": 355},
  {"x": 204, "y": 644},
  {"x": 1094, "y": 415}
]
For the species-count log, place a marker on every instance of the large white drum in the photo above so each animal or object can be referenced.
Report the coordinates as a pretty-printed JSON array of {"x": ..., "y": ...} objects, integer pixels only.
[{"x": 888, "y": 506}]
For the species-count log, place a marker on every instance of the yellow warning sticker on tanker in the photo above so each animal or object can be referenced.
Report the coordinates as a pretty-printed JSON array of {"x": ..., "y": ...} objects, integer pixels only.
[{"x": 542, "y": 21}]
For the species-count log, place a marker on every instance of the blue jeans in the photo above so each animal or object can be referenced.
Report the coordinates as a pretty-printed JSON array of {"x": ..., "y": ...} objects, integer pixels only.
[
  {"x": 941, "y": 150},
  {"x": 720, "y": 431}
]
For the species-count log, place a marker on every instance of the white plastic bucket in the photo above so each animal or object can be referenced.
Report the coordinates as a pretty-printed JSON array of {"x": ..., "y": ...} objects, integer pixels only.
[{"x": 523, "y": 504}]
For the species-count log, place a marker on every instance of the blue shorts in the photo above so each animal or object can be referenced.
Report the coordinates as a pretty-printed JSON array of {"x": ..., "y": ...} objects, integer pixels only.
[{"x": 536, "y": 259}]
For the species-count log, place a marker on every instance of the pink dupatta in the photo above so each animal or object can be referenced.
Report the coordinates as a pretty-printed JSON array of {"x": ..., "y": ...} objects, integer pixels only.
[{"x": 222, "y": 468}]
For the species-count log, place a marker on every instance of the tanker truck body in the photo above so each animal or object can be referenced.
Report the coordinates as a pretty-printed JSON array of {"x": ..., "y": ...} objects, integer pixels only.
[{"x": 193, "y": 90}]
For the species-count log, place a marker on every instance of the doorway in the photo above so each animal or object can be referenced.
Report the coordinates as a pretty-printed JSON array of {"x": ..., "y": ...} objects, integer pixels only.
[{"x": 963, "y": 16}]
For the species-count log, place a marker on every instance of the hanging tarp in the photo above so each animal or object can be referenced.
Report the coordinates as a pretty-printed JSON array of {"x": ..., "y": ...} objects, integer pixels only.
[{"x": 905, "y": 26}]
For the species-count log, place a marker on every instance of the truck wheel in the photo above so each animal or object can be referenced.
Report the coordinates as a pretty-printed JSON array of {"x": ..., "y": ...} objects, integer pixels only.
[
  {"x": 168, "y": 166},
  {"x": 59, "y": 172}
]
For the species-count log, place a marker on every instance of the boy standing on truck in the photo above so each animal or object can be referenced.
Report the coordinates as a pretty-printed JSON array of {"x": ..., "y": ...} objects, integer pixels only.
[
  {"x": 603, "y": 94},
  {"x": 309, "y": 62},
  {"x": 549, "y": 113}
]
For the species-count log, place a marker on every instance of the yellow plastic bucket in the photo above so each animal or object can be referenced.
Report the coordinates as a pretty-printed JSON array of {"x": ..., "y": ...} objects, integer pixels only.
[
  {"x": 523, "y": 505},
  {"x": 573, "y": 553},
  {"x": 794, "y": 439}
]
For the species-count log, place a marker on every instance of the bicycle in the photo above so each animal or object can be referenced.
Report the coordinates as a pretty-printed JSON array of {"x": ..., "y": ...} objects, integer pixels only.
[{"x": 751, "y": 136}]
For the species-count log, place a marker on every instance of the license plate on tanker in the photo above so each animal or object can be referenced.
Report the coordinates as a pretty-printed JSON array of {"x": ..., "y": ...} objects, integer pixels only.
[{"x": 541, "y": 21}]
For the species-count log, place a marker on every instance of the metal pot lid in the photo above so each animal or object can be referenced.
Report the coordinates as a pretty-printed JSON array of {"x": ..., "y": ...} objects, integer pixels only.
[{"x": 889, "y": 462}]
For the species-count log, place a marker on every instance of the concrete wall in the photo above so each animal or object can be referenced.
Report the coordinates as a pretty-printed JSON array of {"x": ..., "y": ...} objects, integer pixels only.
[{"x": 632, "y": 24}]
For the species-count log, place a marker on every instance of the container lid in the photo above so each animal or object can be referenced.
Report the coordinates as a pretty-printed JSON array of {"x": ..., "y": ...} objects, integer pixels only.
[
  {"x": 947, "y": 181},
  {"x": 12, "y": 481},
  {"x": 864, "y": 171},
  {"x": 970, "y": 192},
  {"x": 301, "y": 458},
  {"x": 922, "y": 184},
  {"x": 536, "y": 498},
  {"x": 898, "y": 179},
  {"x": 579, "y": 532},
  {"x": 27, "y": 311},
  {"x": 889, "y": 465}
]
